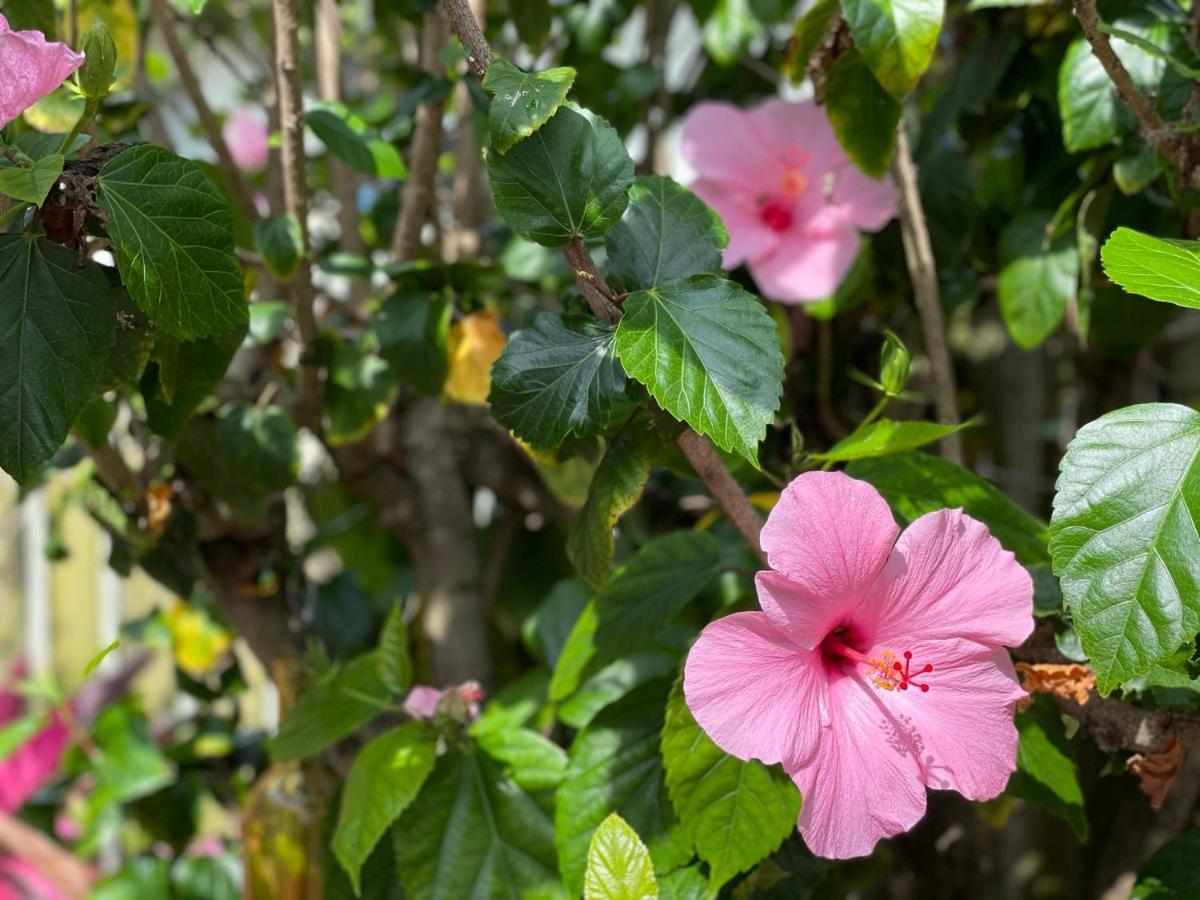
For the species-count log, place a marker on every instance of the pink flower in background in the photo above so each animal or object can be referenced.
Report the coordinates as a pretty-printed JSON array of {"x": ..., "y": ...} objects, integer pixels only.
[
  {"x": 21, "y": 880},
  {"x": 791, "y": 200},
  {"x": 30, "y": 68},
  {"x": 876, "y": 667},
  {"x": 460, "y": 702},
  {"x": 245, "y": 132},
  {"x": 33, "y": 762},
  {"x": 422, "y": 701}
]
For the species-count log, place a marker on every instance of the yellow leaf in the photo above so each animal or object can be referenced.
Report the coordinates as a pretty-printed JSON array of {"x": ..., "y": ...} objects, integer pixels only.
[
  {"x": 475, "y": 343},
  {"x": 198, "y": 642}
]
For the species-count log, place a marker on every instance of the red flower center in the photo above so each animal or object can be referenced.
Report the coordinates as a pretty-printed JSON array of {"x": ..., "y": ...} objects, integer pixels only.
[
  {"x": 886, "y": 672},
  {"x": 776, "y": 215}
]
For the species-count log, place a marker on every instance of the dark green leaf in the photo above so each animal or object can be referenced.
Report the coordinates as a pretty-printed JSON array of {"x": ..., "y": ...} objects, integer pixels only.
[
  {"x": 243, "y": 453},
  {"x": 349, "y": 139},
  {"x": 173, "y": 234},
  {"x": 332, "y": 708},
  {"x": 187, "y": 372},
  {"x": 281, "y": 245},
  {"x": 896, "y": 38},
  {"x": 522, "y": 102},
  {"x": 1047, "y": 774},
  {"x": 863, "y": 115},
  {"x": 1158, "y": 268},
  {"x": 1171, "y": 873},
  {"x": 618, "y": 864},
  {"x": 359, "y": 391},
  {"x": 616, "y": 487},
  {"x": 395, "y": 662},
  {"x": 1038, "y": 278},
  {"x": 886, "y": 436},
  {"x": 413, "y": 329}
]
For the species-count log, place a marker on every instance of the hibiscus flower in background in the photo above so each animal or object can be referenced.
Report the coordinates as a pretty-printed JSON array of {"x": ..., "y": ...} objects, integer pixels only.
[
  {"x": 30, "y": 68},
  {"x": 245, "y": 131},
  {"x": 792, "y": 202},
  {"x": 876, "y": 667}
]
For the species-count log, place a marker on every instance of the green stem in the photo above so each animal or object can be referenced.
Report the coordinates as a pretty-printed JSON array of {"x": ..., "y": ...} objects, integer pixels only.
[{"x": 89, "y": 110}]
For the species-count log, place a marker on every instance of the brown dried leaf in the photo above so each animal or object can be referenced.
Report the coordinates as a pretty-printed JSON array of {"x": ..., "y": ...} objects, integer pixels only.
[
  {"x": 158, "y": 507},
  {"x": 1073, "y": 681},
  {"x": 1157, "y": 771}
]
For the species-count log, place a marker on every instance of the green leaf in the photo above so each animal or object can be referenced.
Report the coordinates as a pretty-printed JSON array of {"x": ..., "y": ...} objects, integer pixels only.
[
  {"x": 1158, "y": 268},
  {"x": 530, "y": 760},
  {"x": 810, "y": 29},
  {"x": 571, "y": 178},
  {"x": 386, "y": 775},
  {"x": 1172, "y": 871},
  {"x": 708, "y": 352},
  {"x": 350, "y": 140},
  {"x": 667, "y": 232},
  {"x": 1038, "y": 278},
  {"x": 1123, "y": 537},
  {"x": 395, "y": 662},
  {"x": 730, "y": 29},
  {"x": 186, "y": 374},
  {"x": 473, "y": 832},
  {"x": 916, "y": 483},
  {"x": 173, "y": 234},
  {"x": 58, "y": 323},
  {"x": 205, "y": 878},
  {"x": 615, "y": 488},
  {"x": 334, "y": 707},
  {"x": 32, "y": 184},
  {"x": 618, "y": 864},
  {"x": 522, "y": 102},
  {"x": 736, "y": 813},
  {"x": 897, "y": 38},
  {"x": 559, "y": 377},
  {"x": 359, "y": 390},
  {"x": 863, "y": 115},
  {"x": 886, "y": 436},
  {"x": 615, "y": 767},
  {"x": 687, "y": 883},
  {"x": 642, "y": 596},
  {"x": 1047, "y": 774},
  {"x": 243, "y": 453},
  {"x": 413, "y": 328},
  {"x": 281, "y": 245}
]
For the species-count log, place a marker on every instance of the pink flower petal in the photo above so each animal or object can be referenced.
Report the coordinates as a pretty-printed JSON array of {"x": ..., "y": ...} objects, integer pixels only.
[
  {"x": 865, "y": 782},
  {"x": 804, "y": 618},
  {"x": 964, "y": 723},
  {"x": 422, "y": 701},
  {"x": 245, "y": 131},
  {"x": 749, "y": 236},
  {"x": 861, "y": 201},
  {"x": 806, "y": 269},
  {"x": 829, "y": 535},
  {"x": 949, "y": 578},
  {"x": 797, "y": 130},
  {"x": 32, "y": 67},
  {"x": 24, "y": 771},
  {"x": 721, "y": 144},
  {"x": 754, "y": 693}
]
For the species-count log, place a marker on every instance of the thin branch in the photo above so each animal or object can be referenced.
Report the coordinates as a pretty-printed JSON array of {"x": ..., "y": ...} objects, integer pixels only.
[
  {"x": 243, "y": 196},
  {"x": 286, "y": 17},
  {"x": 922, "y": 269},
  {"x": 724, "y": 488},
  {"x": 593, "y": 287},
  {"x": 466, "y": 26}
]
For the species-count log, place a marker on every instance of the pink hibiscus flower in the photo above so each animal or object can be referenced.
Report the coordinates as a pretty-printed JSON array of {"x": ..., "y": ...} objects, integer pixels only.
[
  {"x": 792, "y": 202},
  {"x": 32, "y": 67},
  {"x": 876, "y": 667},
  {"x": 245, "y": 132}
]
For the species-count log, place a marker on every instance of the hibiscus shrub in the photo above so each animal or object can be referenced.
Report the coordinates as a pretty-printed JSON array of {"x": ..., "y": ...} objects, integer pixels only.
[{"x": 384, "y": 341}]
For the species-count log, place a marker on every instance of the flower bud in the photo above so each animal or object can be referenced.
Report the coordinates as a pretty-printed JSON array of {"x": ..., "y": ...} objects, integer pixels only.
[
  {"x": 100, "y": 65},
  {"x": 895, "y": 363}
]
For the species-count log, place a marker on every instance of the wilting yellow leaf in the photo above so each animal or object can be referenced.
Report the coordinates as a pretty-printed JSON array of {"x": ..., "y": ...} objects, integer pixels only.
[
  {"x": 475, "y": 343},
  {"x": 197, "y": 641}
]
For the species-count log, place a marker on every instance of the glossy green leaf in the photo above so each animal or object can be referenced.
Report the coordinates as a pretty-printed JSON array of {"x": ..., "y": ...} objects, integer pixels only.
[
  {"x": 571, "y": 178},
  {"x": 32, "y": 184},
  {"x": 1158, "y": 268},
  {"x": 386, "y": 775},
  {"x": 1038, "y": 279},
  {"x": 863, "y": 115},
  {"x": 557, "y": 378},
  {"x": 413, "y": 328},
  {"x": 618, "y": 864},
  {"x": 186, "y": 372},
  {"x": 886, "y": 436},
  {"x": 916, "y": 483},
  {"x": 667, "y": 232},
  {"x": 735, "y": 813},
  {"x": 474, "y": 832},
  {"x": 533, "y": 762},
  {"x": 350, "y": 140},
  {"x": 1047, "y": 774},
  {"x": 708, "y": 352},
  {"x": 281, "y": 245},
  {"x": 1123, "y": 537},
  {"x": 897, "y": 38},
  {"x": 615, "y": 488},
  {"x": 58, "y": 324},
  {"x": 173, "y": 234},
  {"x": 687, "y": 883},
  {"x": 333, "y": 707},
  {"x": 522, "y": 102}
]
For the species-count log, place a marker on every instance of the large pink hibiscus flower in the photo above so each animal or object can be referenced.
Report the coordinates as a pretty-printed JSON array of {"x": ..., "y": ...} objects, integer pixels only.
[
  {"x": 792, "y": 202},
  {"x": 876, "y": 667},
  {"x": 30, "y": 68}
]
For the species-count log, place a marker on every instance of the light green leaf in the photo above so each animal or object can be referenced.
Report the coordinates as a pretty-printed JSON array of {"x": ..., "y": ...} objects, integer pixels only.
[
  {"x": 559, "y": 377},
  {"x": 615, "y": 488},
  {"x": 618, "y": 864},
  {"x": 730, "y": 28},
  {"x": 530, "y": 760},
  {"x": 708, "y": 352},
  {"x": 735, "y": 813},
  {"x": 522, "y": 102},
  {"x": 1158, "y": 268},
  {"x": 897, "y": 38},
  {"x": 173, "y": 234},
  {"x": 413, "y": 328},
  {"x": 350, "y": 140},
  {"x": 473, "y": 832},
  {"x": 886, "y": 436},
  {"x": 916, "y": 483},
  {"x": 571, "y": 178},
  {"x": 32, "y": 184},
  {"x": 1038, "y": 279},
  {"x": 58, "y": 324},
  {"x": 386, "y": 775},
  {"x": 863, "y": 115},
  {"x": 1123, "y": 537},
  {"x": 667, "y": 232},
  {"x": 1047, "y": 774},
  {"x": 332, "y": 708}
]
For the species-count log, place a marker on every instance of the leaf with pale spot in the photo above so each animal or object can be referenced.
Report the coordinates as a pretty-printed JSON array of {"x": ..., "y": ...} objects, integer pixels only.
[{"x": 522, "y": 102}]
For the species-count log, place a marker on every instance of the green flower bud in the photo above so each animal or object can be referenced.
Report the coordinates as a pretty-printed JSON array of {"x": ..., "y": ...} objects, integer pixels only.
[
  {"x": 98, "y": 69},
  {"x": 895, "y": 364}
]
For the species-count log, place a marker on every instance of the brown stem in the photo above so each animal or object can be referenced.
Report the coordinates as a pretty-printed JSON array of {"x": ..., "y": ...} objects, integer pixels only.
[
  {"x": 416, "y": 198},
  {"x": 922, "y": 269},
  {"x": 464, "y": 24},
  {"x": 243, "y": 196},
  {"x": 723, "y": 487},
  {"x": 470, "y": 200},
  {"x": 593, "y": 287},
  {"x": 288, "y": 88},
  {"x": 113, "y": 471}
]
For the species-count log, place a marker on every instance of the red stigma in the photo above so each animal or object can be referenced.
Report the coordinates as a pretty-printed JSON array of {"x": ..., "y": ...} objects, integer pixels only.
[
  {"x": 906, "y": 675},
  {"x": 776, "y": 215}
]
